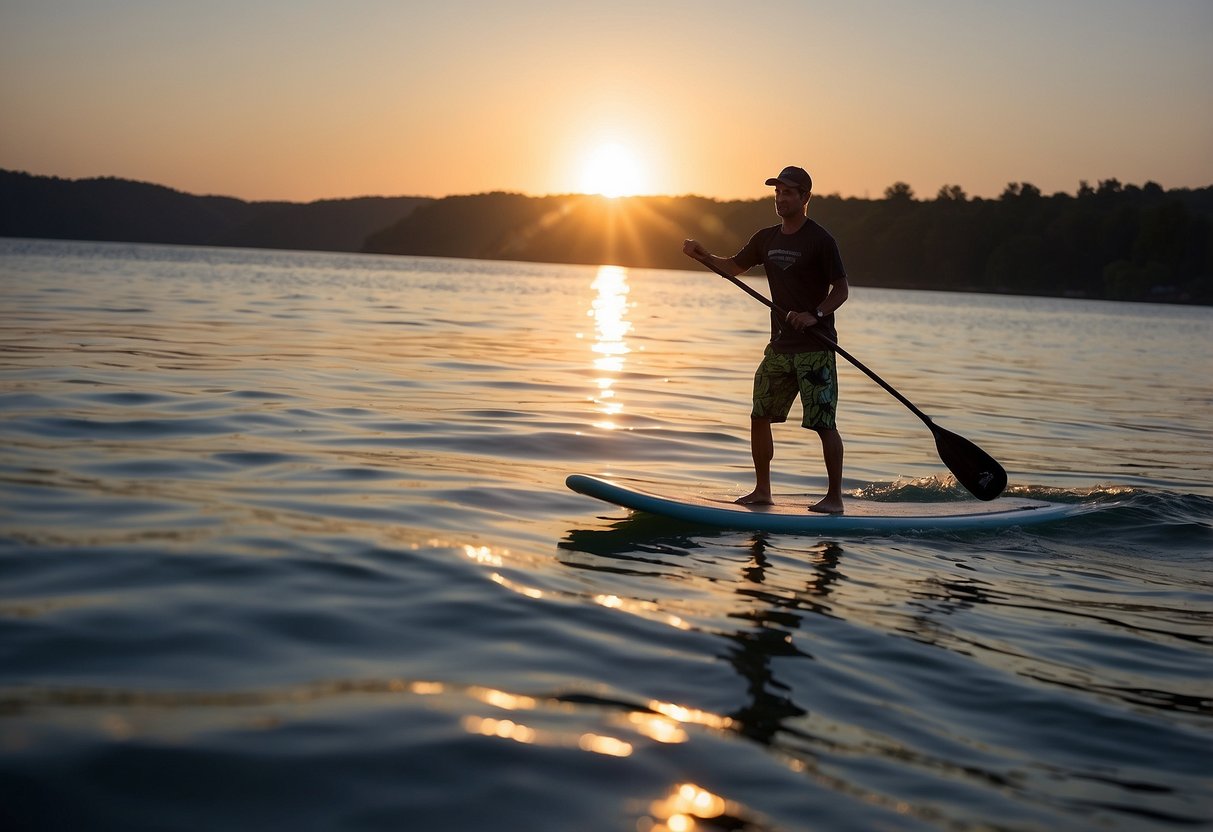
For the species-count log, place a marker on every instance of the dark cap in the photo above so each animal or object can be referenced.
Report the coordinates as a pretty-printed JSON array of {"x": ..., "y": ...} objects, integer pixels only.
[{"x": 794, "y": 177}]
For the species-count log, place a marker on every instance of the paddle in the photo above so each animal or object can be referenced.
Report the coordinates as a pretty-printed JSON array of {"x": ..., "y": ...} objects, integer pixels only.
[{"x": 973, "y": 468}]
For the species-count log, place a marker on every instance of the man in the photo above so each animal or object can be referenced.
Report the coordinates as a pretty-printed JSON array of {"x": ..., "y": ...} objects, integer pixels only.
[{"x": 807, "y": 278}]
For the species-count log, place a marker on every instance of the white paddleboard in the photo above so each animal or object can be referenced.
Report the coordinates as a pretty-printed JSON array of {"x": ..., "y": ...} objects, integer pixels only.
[{"x": 791, "y": 514}]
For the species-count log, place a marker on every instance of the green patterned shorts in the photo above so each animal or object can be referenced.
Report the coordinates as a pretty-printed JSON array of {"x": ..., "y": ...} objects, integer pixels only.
[{"x": 781, "y": 376}]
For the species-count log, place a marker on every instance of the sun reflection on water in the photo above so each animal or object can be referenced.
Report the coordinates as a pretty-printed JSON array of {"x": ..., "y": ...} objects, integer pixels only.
[
  {"x": 611, "y": 326},
  {"x": 502, "y": 699},
  {"x": 508, "y": 729},
  {"x": 686, "y": 804},
  {"x": 483, "y": 555},
  {"x": 657, "y": 728}
]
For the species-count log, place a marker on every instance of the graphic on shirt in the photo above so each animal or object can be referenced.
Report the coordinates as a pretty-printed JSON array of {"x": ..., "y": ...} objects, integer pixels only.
[{"x": 782, "y": 257}]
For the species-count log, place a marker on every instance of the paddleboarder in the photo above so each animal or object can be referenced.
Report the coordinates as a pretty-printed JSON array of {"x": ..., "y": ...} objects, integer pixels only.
[{"x": 807, "y": 278}]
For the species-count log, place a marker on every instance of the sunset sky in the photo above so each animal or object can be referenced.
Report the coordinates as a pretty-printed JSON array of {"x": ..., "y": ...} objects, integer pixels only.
[{"x": 308, "y": 99}]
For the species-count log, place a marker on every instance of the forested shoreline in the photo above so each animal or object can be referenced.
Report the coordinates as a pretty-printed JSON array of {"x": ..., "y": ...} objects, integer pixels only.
[{"x": 1110, "y": 240}]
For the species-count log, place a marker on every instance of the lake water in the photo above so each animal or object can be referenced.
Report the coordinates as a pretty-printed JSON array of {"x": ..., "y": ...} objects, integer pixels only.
[{"x": 284, "y": 544}]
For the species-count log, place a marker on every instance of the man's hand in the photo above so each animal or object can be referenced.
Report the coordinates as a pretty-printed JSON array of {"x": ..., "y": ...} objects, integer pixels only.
[
  {"x": 695, "y": 250},
  {"x": 800, "y": 321}
]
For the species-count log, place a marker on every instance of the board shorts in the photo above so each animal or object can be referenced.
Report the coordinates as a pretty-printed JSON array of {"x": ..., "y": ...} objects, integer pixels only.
[{"x": 781, "y": 376}]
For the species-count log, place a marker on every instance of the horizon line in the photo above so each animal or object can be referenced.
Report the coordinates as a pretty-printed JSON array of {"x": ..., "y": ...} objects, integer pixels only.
[{"x": 832, "y": 195}]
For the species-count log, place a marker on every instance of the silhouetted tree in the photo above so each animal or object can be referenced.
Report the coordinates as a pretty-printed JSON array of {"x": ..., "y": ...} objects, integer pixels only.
[
  {"x": 1020, "y": 190},
  {"x": 899, "y": 192}
]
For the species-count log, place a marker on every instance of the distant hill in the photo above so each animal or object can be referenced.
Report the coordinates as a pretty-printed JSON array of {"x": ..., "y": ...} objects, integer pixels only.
[
  {"x": 1111, "y": 241},
  {"x": 631, "y": 231},
  {"x": 1114, "y": 241},
  {"x": 121, "y": 210}
]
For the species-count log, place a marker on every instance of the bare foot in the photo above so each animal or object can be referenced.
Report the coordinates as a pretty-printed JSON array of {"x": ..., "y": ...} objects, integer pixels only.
[
  {"x": 755, "y": 498},
  {"x": 828, "y": 506}
]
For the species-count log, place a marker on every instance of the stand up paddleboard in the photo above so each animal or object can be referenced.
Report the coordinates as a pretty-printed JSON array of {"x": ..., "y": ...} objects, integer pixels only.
[{"x": 791, "y": 514}]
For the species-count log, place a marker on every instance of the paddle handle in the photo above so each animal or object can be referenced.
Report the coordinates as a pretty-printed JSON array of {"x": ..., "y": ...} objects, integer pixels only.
[{"x": 825, "y": 339}]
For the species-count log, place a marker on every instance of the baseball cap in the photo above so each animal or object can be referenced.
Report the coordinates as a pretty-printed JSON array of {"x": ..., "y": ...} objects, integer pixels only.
[{"x": 794, "y": 177}]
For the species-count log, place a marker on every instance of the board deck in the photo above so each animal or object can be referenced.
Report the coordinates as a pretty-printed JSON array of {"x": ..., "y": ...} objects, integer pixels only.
[{"x": 790, "y": 514}]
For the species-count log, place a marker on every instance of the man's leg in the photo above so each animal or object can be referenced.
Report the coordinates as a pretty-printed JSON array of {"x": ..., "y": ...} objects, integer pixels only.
[
  {"x": 831, "y": 450},
  {"x": 762, "y": 449}
]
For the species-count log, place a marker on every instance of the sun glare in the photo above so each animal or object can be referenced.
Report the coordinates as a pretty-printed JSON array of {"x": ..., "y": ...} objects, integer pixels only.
[{"x": 612, "y": 170}]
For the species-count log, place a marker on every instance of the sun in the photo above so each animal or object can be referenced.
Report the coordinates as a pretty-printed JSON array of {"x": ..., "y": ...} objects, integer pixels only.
[{"x": 612, "y": 170}]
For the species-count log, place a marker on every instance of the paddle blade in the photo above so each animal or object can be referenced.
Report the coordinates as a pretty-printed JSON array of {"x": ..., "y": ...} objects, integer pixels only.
[{"x": 973, "y": 468}]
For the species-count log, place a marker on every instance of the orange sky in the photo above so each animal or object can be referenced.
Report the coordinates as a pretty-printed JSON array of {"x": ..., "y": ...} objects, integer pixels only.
[{"x": 305, "y": 100}]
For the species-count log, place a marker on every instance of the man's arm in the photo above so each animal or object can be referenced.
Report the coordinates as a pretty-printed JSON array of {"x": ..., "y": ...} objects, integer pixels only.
[
  {"x": 696, "y": 251},
  {"x": 839, "y": 292}
]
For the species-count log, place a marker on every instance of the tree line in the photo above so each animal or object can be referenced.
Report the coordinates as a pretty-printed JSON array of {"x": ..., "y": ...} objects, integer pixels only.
[
  {"x": 1109, "y": 240},
  {"x": 120, "y": 210},
  {"x": 1112, "y": 241}
]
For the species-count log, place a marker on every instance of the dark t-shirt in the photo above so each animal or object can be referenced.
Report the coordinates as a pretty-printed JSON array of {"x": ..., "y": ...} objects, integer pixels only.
[{"x": 800, "y": 269}]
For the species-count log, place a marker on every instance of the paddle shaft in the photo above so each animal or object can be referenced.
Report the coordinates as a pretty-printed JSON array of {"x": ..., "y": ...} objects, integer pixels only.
[{"x": 825, "y": 339}]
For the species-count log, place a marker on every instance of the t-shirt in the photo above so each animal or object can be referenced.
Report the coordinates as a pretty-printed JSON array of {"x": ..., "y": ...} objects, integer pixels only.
[{"x": 800, "y": 269}]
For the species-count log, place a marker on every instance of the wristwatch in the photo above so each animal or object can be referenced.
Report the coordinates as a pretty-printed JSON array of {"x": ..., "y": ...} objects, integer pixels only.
[{"x": 818, "y": 313}]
